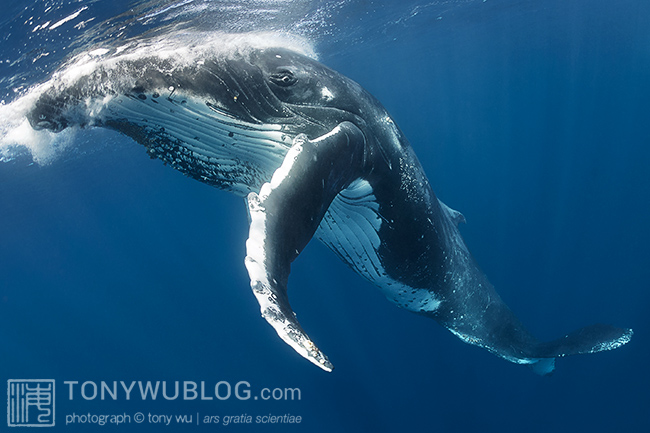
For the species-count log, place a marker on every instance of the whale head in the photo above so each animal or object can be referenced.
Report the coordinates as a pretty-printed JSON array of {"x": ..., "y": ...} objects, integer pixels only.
[
  {"x": 226, "y": 118},
  {"x": 259, "y": 86}
]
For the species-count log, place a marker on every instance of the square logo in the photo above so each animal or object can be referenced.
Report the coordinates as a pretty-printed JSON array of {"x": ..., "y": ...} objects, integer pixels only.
[{"x": 30, "y": 402}]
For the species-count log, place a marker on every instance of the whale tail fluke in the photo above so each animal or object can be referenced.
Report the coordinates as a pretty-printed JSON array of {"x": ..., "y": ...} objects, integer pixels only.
[{"x": 590, "y": 339}]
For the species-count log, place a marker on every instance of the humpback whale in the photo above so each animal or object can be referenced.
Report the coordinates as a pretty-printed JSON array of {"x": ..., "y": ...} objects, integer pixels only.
[{"x": 314, "y": 155}]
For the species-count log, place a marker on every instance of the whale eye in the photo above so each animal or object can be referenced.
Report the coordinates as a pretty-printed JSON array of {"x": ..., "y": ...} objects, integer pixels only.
[{"x": 283, "y": 78}]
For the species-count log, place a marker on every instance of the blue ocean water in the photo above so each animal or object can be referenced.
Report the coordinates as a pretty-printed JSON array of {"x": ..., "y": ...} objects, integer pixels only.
[{"x": 528, "y": 117}]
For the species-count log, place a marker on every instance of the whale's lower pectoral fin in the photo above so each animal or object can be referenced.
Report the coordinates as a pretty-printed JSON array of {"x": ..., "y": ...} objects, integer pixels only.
[{"x": 284, "y": 217}]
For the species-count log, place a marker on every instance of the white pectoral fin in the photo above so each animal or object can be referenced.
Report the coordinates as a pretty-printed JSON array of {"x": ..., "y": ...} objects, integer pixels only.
[
  {"x": 284, "y": 217},
  {"x": 271, "y": 292}
]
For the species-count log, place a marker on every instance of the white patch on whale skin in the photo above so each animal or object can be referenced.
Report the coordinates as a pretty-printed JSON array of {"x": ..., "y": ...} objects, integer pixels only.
[
  {"x": 350, "y": 228},
  {"x": 326, "y": 94},
  {"x": 283, "y": 171}
]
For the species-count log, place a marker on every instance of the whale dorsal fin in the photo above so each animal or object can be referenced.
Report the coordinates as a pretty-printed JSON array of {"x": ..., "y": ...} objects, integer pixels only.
[
  {"x": 455, "y": 216},
  {"x": 285, "y": 215}
]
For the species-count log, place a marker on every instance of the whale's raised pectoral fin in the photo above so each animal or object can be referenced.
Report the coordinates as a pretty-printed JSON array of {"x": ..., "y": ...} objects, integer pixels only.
[{"x": 285, "y": 215}]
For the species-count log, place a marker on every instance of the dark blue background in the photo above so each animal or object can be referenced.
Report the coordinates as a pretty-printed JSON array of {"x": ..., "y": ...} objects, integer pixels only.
[{"x": 530, "y": 118}]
